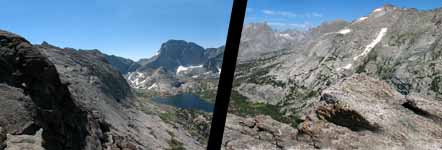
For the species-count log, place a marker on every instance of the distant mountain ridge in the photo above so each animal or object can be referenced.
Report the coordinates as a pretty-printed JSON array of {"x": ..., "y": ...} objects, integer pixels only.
[{"x": 123, "y": 65}]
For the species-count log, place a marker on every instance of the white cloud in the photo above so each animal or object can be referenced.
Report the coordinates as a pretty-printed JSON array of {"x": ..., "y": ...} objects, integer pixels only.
[
  {"x": 280, "y": 13},
  {"x": 282, "y": 25},
  {"x": 291, "y": 14}
]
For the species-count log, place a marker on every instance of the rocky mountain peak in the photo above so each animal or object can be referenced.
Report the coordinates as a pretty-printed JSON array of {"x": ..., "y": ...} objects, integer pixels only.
[
  {"x": 258, "y": 27},
  {"x": 329, "y": 26},
  {"x": 179, "y": 46},
  {"x": 174, "y": 53},
  {"x": 44, "y": 43}
]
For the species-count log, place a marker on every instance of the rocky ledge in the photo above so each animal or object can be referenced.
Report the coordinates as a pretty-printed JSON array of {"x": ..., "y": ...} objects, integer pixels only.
[{"x": 358, "y": 112}]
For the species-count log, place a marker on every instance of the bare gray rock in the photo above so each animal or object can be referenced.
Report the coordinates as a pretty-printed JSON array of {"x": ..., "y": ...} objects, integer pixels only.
[
  {"x": 261, "y": 132},
  {"x": 19, "y": 111},
  {"x": 369, "y": 114},
  {"x": 359, "y": 112},
  {"x": 25, "y": 142},
  {"x": 262, "y": 93},
  {"x": 103, "y": 91}
]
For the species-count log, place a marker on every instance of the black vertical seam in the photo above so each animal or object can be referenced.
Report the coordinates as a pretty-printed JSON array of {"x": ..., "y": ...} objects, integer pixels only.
[{"x": 227, "y": 74}]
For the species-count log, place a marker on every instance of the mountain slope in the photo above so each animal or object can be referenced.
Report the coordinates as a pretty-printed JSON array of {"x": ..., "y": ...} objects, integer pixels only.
[
  {"x": 389, "y": 44},
  {"x": 123, "y": 65},
  {"x": 74, "y": 99},
  {"x": 349, "y": 78}
]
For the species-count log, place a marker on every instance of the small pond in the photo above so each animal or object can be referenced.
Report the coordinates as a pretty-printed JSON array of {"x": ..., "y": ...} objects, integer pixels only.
[{"x": 186, "y": 101}]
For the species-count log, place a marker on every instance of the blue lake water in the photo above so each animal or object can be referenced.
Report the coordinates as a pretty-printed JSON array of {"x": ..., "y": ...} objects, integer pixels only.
[{"x": 186, "y": 101}]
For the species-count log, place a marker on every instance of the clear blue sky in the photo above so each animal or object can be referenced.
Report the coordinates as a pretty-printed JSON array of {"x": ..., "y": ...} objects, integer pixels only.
[
  {"x": 129, "y": 28},
  {"x": 302, "y": 14},
  {"x": 136, "y": 28}
]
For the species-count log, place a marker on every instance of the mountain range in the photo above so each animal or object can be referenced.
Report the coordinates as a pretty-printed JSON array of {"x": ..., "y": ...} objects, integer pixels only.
[{"x": 372, "y": 83}]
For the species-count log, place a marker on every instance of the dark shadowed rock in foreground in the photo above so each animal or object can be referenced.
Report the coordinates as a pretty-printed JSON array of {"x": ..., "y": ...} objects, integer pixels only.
[{"x": 32, "y": 85}]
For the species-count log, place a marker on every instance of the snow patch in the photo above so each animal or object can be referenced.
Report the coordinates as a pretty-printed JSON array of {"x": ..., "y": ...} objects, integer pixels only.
[
  {"x": 137, "y": 80},
  {"x": 156, "y": 54},
  {"x": 344, "y": 31},
  {"x": 378, "y": 9},
  {"x": 361, "y": 19},
  {"x": 182, "y": 68},
  {"x": 285, "y": 35},
  {"x": 370, "y": 46},
  {"x": 346, "y": 67},
  {"x": 152, "y": 86}
]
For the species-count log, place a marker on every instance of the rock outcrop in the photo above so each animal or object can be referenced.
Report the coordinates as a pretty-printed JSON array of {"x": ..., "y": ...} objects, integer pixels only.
[{"x": 358, "y": 112}]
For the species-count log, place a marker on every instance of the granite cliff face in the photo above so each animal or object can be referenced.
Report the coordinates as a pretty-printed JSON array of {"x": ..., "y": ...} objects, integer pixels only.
[{"x": 370, "y": 84}]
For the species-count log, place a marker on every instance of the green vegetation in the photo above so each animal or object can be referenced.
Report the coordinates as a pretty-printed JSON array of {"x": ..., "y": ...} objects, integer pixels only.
[
  {"x": 145, "y": 93},
  {"x": 386, "y": 69},
  {"x": 258, "y": 75},
  {"x": 196, "y": 122},
  {"x": 169, "y": 117},
  {"x": 239, "y": 105},
  {"x": 436, "y": 85},
  {"x": 402, "y": 39},
  {"x": 207, "y": 94},
  {"x": 249, "y": 72},
  {"x": 301, "y": 93}
]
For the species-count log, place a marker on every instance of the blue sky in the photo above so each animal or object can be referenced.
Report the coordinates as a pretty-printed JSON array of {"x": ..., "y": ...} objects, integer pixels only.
[
  {"x": 129, "y": 28},
  {"x": 136, "y": 28},
  {"x": 302, "y": 14}
]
